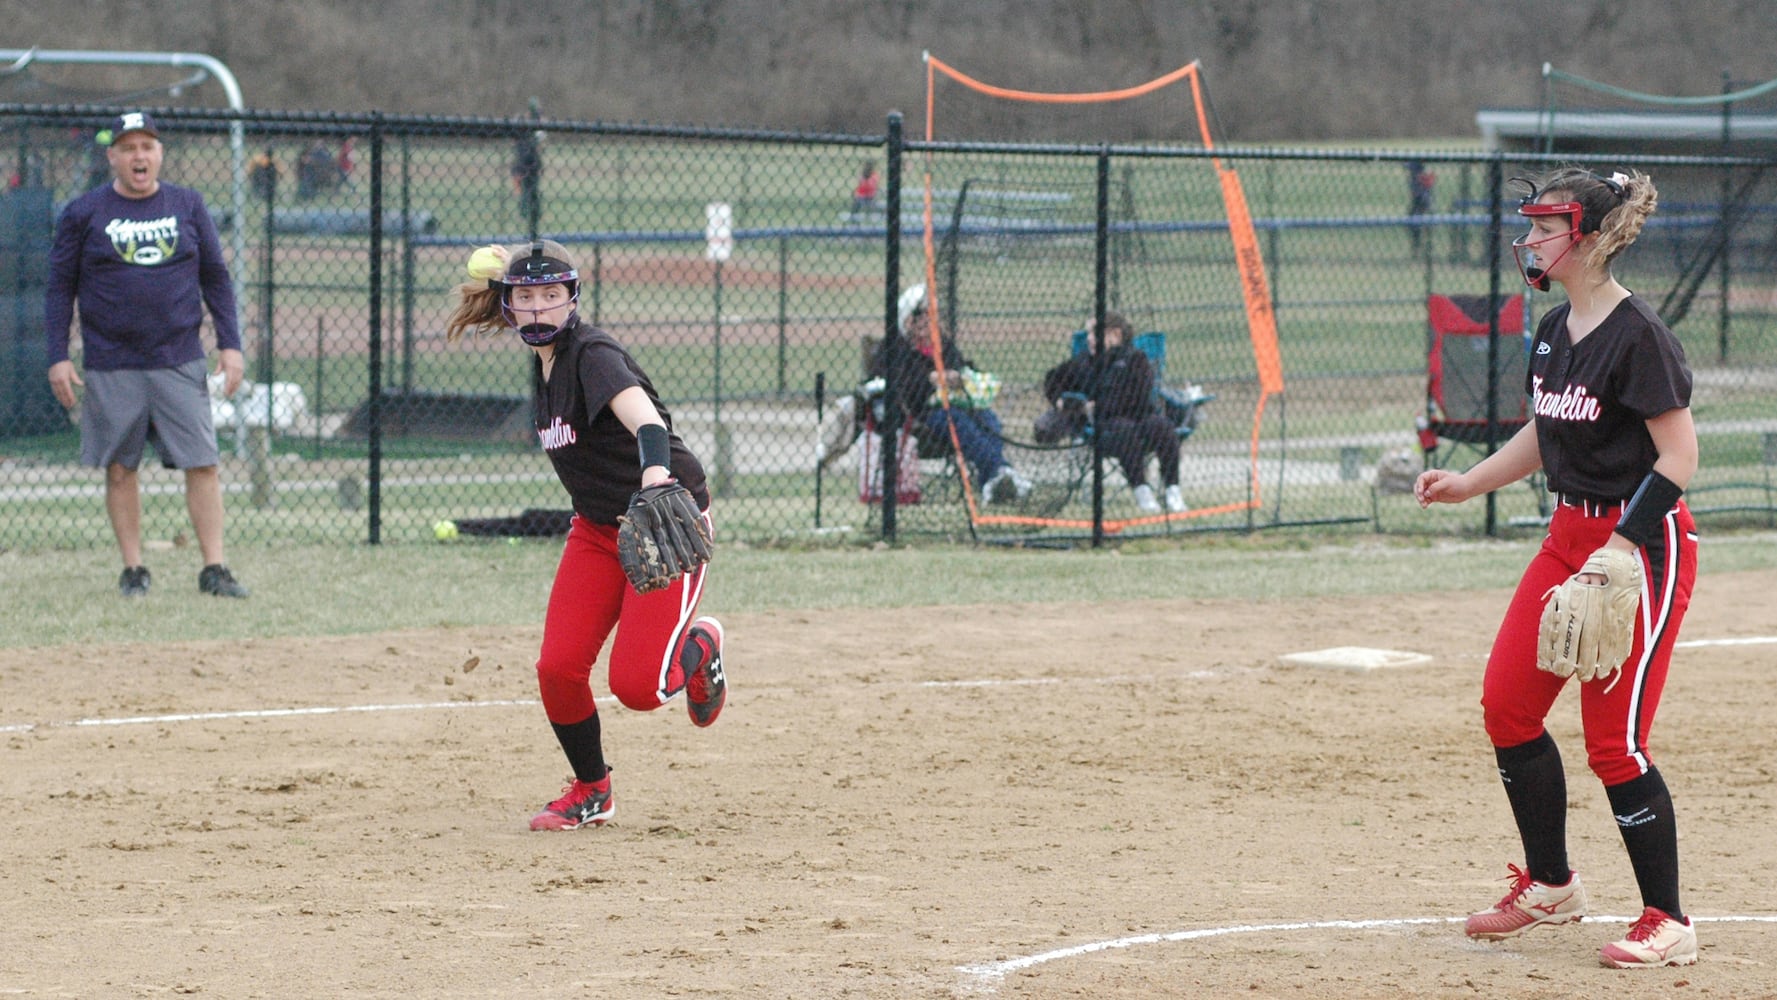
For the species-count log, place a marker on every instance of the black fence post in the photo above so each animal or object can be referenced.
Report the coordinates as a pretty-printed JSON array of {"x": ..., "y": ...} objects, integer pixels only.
[
  {"x": 258, "y": 439},
  {"x": 1726, "y": 222},
  {"x": 267, "y": 277},
  {"x": 722, "y": 478},
  {"x": 890, "y": 427},
  {"x": 820, "y": 465},
  {"x": 1100, "y": 291},
  {"x": 783, "y": 312},
  {"x": 407, "y": 268},
  {"x": 375, "y": 415},
  {"x": 320, "y": 404},
  {"x": 533, "y": 183},
  {"x": 1495, "y": 231}
]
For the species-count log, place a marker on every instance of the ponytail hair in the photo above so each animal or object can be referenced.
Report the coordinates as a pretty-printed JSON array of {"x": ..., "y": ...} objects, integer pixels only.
[
  {"x": 478, "y": 303},
  {"x": 1623, "y": 223},
  {"x": 477, "y": 311}
]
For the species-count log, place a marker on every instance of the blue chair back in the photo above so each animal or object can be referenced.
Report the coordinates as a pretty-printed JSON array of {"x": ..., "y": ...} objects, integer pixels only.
[
  {"x": 1179, "y": 405},
  {"x": 1152, "y": 343}
]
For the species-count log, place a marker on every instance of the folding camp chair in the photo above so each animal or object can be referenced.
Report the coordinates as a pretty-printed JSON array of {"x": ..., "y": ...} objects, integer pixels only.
[
  {"x": 926, "y": 459},
  {"x": 1456, "y": 390},
  {"x": 1181, "y": 405}
]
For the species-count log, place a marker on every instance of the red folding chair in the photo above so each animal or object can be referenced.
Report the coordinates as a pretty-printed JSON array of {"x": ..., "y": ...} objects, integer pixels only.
[{"x": 1456, "y": 391}]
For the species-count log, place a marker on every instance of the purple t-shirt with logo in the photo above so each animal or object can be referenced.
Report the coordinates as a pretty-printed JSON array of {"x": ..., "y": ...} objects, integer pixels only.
[{"x": 142, "y": 271}]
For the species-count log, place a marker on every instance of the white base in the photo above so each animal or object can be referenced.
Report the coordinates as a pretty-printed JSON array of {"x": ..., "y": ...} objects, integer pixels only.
[{"x": 1356, "y": 658}]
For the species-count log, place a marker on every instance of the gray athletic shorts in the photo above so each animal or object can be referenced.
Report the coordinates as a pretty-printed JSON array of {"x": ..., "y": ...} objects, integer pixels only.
[{"x": 121, "y": 411}]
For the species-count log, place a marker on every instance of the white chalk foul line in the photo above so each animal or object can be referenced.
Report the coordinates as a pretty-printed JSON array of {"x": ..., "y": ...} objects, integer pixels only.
[
  {"x": 990, "y": 972},
  {"x": 998, "y": 970},
  {"x": 267, "y": 713},
  {"x": 1037, "y": 681},
  {"x": 1751, "y": 640}
]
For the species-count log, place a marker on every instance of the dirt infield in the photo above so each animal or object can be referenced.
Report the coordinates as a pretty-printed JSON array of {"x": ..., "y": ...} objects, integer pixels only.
[{"x": 1130, "y": 800}]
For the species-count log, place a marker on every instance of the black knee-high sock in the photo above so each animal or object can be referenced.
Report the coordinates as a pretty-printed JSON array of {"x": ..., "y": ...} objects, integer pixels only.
[
  {"x": 585, "y": 751},
  {"x": 1643, "y": 808},
  {"x": 1536, "y": 786}
]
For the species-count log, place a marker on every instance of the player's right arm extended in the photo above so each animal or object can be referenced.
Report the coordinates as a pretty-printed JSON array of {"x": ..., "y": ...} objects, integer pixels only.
[{"x": 1514, "y": 460}]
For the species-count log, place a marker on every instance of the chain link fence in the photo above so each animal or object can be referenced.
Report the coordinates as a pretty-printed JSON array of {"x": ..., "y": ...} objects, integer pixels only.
[{"x": 752, "y": 284}]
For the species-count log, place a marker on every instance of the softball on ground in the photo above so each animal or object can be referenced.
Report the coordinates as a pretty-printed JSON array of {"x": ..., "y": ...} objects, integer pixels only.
[
  {"x": 487, "y": 262},
  {"x": 444, "y": 531}
]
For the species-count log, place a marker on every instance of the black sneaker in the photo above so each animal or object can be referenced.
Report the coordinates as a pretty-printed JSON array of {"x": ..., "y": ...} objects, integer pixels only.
[
  {"x": 215, "y": 579},
  {"x": 134, "y": 581}
]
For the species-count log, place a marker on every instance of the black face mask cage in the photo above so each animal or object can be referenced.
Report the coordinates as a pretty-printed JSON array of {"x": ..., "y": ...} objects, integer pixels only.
[
  {"x": 533, "y": 269},
  {"x": 1524, "y": 249}
]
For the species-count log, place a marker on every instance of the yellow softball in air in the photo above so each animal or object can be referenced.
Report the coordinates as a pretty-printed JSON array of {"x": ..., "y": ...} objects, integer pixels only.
[
  {"x": 444, "y": 531},
  {"x": 487, "y": 262}
]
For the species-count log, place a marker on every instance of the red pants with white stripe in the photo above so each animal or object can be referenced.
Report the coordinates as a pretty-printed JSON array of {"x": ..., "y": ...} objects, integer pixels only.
[
  {"x": 591, "y": 596},
  {"x": 1516, "y": 696}
]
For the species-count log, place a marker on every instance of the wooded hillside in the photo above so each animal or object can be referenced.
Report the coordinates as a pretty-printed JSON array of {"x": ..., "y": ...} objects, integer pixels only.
[{"x": 1278, "y": 69}]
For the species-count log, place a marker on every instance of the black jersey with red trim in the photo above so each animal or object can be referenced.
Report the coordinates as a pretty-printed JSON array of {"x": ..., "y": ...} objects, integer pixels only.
[
  {"x": 1592, "y": 400},
  {"x": 594, "y": 455}
]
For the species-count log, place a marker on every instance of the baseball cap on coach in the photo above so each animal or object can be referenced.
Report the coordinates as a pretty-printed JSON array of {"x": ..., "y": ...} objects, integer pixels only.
[{"x": 129, "y": 121}]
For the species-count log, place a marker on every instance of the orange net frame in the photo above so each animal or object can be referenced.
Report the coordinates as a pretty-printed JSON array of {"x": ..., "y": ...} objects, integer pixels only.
[{"x": 1261, "y": 321}]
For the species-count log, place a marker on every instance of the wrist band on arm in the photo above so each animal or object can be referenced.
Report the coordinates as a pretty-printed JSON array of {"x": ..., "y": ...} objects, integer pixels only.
[
  {"x": 1641, "y": 518},
  {"x": 654, "y": 445}
]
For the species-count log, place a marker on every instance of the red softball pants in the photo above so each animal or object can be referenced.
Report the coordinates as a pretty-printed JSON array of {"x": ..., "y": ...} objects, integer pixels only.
[
  {"x": 1617, "y": 710},
  {"x": 590, "y": 597}
]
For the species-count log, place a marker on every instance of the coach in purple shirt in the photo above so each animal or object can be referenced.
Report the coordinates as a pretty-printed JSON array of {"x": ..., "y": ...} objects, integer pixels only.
[{"x": 142, "y": 260}]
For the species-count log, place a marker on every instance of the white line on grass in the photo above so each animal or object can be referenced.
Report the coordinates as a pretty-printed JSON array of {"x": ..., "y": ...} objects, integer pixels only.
[{"x": 987, "y": 976}]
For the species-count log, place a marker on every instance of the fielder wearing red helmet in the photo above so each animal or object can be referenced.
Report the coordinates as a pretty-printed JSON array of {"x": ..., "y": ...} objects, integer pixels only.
[
  {"x": 1572, "y": 204},
  {"x": 1600, "y": 604}
]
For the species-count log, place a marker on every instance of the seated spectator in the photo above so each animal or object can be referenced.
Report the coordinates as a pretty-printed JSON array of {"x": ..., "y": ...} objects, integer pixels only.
[
  {"x": 970, "y": 413},
  {"x": 1117, "y": 388}
]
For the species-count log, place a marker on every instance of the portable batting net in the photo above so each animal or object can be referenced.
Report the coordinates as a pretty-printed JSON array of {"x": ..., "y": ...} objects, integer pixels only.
[{"x": 1019, "y": 250}]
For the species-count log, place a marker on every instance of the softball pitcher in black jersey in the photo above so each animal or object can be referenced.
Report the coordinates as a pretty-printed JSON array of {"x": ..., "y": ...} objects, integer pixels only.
[
  {"x": 1612, "y": 431},
  {"x": 608, "y": 435}
]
